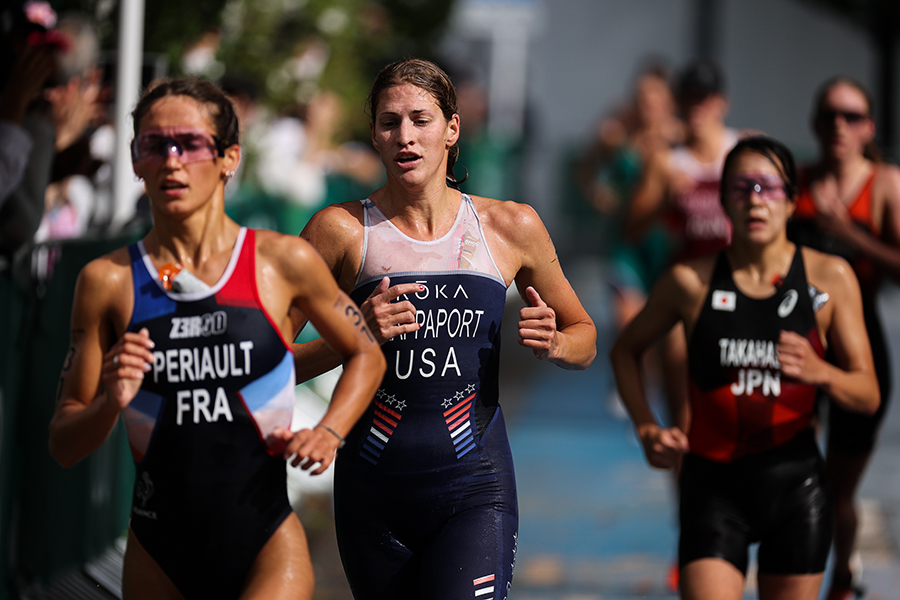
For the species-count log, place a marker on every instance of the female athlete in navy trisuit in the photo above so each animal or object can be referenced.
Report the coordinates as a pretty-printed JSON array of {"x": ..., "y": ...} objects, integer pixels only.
[
  {"x": 425, "y": 498},
  {"x": 758, "y": 316},
  {"x": 186, "y": 334}
]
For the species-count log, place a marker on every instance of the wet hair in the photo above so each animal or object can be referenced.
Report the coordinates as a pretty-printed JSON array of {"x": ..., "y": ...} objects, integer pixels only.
[
  {"x": 870, "y": 150},
  {"x": 220, "y": 109},
  {"x": 770, "y": 148},
  {"x": 428, "y": 76}
]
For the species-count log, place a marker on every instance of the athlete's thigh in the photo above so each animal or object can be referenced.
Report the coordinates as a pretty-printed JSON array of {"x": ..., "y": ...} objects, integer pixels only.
[
  {"x": 789, "y": 587},
  {"x": 142, "y": 577},
  {"x": 473, "y": 556},
  {"x": 710, "y": 578},
  {"x": 282, "y": 569}
]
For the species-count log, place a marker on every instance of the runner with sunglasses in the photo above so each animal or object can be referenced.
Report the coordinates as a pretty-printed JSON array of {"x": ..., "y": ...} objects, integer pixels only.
[
  {"x": 186, "y": 334},
  {"x": 849, "y": 205},
  {"x": 758, "y": 317}
]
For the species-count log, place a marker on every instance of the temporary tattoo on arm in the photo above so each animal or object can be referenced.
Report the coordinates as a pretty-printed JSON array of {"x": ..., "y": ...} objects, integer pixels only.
[
  {"x": 67, "y": 364},
  {"x": 359, "y": 321}
]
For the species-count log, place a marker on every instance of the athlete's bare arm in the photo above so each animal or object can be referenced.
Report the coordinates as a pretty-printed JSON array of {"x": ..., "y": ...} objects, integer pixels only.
[
  {"x": 852, "y": 382},
  {"x": 649, "y": 195},
  {"x": 886, "y": 249},
  {"x": 554, "y": 324},
  {"x": 677, "y": 296},
  {"x": 103, "y": 369},
  {"x": 290, "y": 268},
  {"x": 336, "y": 232}
]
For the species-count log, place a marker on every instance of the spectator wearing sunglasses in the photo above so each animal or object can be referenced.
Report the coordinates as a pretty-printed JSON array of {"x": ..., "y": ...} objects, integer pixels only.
[
  {"x": 758, "y": 317},
  {"x": 186, "y": 334},
  {"x": 849, "y": 205}
]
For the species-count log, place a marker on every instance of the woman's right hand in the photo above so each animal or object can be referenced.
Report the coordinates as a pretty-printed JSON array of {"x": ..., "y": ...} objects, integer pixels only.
[
  {"x": 663, "y": 447},
  {"x": 386, "y": 318},
  {"x": 124, "y": 366}
]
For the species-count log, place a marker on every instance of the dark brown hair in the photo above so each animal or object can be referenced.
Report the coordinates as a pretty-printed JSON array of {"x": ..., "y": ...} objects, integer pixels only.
[
  {"x": 221, "y": 111},
  {"x": 431, "y": 78}
]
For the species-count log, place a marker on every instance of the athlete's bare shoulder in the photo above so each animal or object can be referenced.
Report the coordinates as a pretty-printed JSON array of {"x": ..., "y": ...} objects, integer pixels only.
[
  {"x": 827, "y": 271},
  {"x": 337, "y": 233},
  {"x": 887, "y": 182},
  {"x": 694, "y": 276},
  {"x": 104, "y": 289},
  {"x": 109, "y": 272},
  {"x": 335, "y": 222},
  {"x": 684, "y": 287},
  {"x": 289, "y": 255},
  {"x": 512, "y": 221}
]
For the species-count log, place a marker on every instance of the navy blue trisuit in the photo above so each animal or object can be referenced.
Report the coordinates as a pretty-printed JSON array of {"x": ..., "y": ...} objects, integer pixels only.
[
  {"x": 425, "y": 493},
  {"x": 209, "y": 490}
]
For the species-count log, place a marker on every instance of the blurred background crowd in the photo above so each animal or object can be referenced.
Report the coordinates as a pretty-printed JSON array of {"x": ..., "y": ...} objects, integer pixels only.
[{"x": 562, "y": 103}]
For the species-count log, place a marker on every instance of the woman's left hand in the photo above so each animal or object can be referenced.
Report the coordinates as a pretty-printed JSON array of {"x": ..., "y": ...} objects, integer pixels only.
[
  {"x": 308, "y": 447},
  {"x": 537, "y": 327}
]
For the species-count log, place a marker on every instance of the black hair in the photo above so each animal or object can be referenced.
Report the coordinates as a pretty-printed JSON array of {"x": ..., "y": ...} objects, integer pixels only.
[
  {"x": 700, "y": 80},
  {"x": 770, "y": 148}
]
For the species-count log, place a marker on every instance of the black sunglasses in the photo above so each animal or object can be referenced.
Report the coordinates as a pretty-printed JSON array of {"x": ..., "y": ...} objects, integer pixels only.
[{"x": 850, "y": 117}]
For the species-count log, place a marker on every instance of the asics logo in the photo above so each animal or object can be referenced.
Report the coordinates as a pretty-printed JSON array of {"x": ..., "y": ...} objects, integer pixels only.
[{"x": 788, "y": 303}]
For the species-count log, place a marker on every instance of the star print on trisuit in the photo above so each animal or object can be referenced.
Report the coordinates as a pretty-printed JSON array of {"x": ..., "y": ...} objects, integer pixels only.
[
  {"x": 459, "y": 423},
  {"x": 383, "y": 424}
]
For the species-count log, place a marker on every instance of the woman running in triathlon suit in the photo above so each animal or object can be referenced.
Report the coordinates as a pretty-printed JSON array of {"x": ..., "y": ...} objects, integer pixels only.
[
  {"x": 425, "y": 496},
  {"x": 680, "y": 186},
  {"x": 758, "y": 316},
  {"x": 185, "y": 334},
  {"x": 850, "y": 206}
]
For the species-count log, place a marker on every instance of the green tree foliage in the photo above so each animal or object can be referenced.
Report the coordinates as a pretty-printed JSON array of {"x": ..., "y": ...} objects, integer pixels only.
[
  {"x": 277, "y": 43},
  {"x": 289, "y": 48}
]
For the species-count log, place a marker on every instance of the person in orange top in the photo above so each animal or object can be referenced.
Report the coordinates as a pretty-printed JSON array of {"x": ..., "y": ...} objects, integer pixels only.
[{"x": 849, "y": 206}]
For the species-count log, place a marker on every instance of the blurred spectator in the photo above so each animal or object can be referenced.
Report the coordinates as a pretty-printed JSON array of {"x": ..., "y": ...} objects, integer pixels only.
[
  {"x": 338, "y": 157},
  {"x": 70, "y": 198},
  {"x": 30, "y": 70},
  {"x": 681, "y": 185},
  {"x": 609, "y": 172},
  {"x": 490, "y": 161},
  {"x": 51, "y": 97},
  {"x": 284, "y": 169},
  {"x": 254, "y": 121},
  {"x": 28, "y": 66},
  {"x": 199, "y": 58},
  {"x": 296, "y": 163}
]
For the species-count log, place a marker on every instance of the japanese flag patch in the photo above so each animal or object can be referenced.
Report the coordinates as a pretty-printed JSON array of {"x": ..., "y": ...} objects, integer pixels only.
[{"x": 723, "y": 300}]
